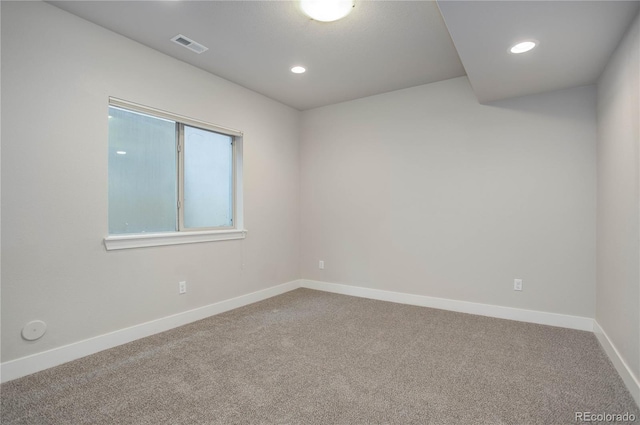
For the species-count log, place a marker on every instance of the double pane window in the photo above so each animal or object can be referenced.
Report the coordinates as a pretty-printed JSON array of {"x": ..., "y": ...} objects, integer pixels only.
[{"x": 168, "y": 175}]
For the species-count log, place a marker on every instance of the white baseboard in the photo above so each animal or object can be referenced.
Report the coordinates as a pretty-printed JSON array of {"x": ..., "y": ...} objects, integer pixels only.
[
  {"x": 34, "y": 363},
  {"x": 630, "y": 380},
  {"x": 531, "y": 316},
  {"x": 40, "y": 361}
]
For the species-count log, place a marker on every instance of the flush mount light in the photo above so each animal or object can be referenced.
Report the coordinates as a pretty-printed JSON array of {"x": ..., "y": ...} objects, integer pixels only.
[
  {"x": 327, "y": 10},
  {"x": 523, "y": 47},
  {"x": 298, "y": 70},
  {"x": 121, "y": 152}
]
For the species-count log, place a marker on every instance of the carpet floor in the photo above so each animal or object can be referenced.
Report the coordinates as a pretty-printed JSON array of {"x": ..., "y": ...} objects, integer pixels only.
[{"x": 310, "y": 357}]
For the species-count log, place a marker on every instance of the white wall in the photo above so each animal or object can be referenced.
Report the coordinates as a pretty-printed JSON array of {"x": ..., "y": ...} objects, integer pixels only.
[
  {"x": 57, "y": 73},
  {"x": 618, "y": 279},
  {"x": 422, "y": 191},
  {"x": 425, "y": 191}
]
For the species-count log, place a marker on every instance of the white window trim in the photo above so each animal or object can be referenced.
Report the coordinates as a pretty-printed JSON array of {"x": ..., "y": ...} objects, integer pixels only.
[
  {"x": 142, "y": 240},
  {"x": 159, "y": 113}
]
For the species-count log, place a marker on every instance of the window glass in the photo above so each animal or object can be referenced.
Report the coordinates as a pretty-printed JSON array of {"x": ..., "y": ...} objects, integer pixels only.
[
  {"x": 208, "y": 178},
  {"x": 143, "y": 192}
]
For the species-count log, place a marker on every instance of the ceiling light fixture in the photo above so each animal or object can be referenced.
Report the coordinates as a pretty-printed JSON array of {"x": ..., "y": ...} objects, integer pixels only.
[
  {"x": 298, "y": 70},
  {"x": 523, "y": 47},
  {"x": 121, "y": 152},
  {"x": 327, "y": 10}
]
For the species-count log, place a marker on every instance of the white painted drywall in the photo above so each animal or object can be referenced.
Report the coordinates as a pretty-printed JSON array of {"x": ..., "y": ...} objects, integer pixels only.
[
  {"x": 421, "y": 191},
  {"x": 425, "y": 191},
  {"x": 57, "y": 73},
  {"x": 618, "y": 277}
]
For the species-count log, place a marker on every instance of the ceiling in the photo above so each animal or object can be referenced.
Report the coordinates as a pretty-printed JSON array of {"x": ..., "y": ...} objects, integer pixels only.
[
  {"x": 380, "y": 47},
  {"x": 576, "y": 39}
]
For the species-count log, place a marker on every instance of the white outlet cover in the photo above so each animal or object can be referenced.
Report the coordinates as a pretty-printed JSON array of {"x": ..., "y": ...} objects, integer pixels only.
[
  {"x": 34, "y": 330},
  {"x": 517, "y": 284}
]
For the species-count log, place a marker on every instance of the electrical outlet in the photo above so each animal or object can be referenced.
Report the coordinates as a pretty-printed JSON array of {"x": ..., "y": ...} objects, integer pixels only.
[
  {"x": 321, "y": 265},
  {"x": 517, "y": 284},
  {"x": 182, "y": 287}
]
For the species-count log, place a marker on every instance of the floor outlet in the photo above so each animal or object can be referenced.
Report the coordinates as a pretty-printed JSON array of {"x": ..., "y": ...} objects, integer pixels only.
[
  {"x": 517, "y": 284},
  {"x": 182, "y": 287}
]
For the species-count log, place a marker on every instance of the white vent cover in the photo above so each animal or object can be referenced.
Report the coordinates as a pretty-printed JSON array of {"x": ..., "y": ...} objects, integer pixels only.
[{"x": 189, "y": 43}]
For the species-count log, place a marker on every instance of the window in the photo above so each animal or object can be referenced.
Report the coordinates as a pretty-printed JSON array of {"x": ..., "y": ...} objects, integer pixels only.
[{"x": 172, "y": 179}]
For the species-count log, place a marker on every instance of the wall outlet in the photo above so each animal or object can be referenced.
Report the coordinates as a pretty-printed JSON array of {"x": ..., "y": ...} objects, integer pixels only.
[
  {"x": 321, "y": 265},
  {"x": 182, "y": 287},
  {"x": 517, "y": 284}
]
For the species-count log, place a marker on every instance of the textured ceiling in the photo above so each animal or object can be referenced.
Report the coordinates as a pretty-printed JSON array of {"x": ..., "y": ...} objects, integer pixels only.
[{"x": 381, "y": 46}]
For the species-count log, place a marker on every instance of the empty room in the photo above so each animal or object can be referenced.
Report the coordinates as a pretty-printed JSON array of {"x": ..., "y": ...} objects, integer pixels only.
[{"x": 319, "y": 211}]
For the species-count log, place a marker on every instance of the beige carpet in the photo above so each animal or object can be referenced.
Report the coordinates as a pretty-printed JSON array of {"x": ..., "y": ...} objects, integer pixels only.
[{"x": 308, "y": 357}]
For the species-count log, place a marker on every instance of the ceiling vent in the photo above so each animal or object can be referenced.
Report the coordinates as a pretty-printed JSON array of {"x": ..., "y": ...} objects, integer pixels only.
[{"x": 189, "y": 43}]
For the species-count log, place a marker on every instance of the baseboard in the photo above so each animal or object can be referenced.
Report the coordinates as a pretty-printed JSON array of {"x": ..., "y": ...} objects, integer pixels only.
[
  {"x": 631, "y": 381},
  {"x": 34, "y": 363},
  {"x": 531, "y": 316},
  {"x": 40, "y": 361}
]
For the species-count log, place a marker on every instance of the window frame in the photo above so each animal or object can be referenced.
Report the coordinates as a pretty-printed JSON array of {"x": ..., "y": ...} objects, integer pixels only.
[
  {"x": 181, "y": 180},
  {"x": 184, "y": 235}
]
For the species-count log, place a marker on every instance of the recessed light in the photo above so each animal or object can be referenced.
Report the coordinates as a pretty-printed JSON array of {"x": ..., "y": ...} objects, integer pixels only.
[
  {"x": 523, "y": 47},
  {"x": 298, "y": 70},
  {"x": 121, "y": 152},
  {"x": 327, "y": 10}
]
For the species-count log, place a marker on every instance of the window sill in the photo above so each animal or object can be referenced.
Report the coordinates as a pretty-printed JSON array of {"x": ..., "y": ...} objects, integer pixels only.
[{"x": 144, "y": 240}]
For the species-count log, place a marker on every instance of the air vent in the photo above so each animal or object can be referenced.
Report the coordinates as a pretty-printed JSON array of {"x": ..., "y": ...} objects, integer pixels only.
[{"x": 189, "y": 43}]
